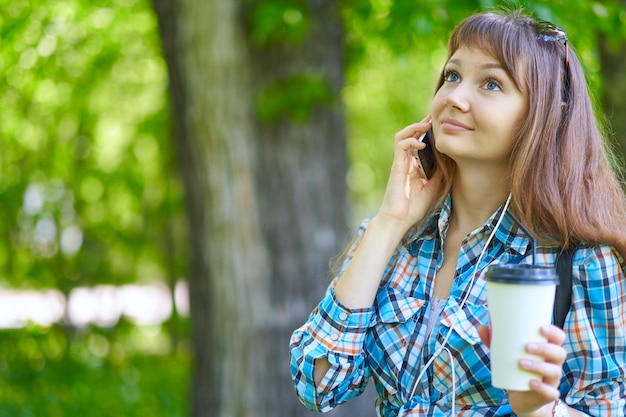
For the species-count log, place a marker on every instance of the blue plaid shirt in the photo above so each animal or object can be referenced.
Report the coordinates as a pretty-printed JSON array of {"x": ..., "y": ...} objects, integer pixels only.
[{"x": 390, "y": 341}]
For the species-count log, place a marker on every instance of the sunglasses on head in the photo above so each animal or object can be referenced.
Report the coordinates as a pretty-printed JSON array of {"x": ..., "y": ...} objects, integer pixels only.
[{"x": 548, "y": 32}]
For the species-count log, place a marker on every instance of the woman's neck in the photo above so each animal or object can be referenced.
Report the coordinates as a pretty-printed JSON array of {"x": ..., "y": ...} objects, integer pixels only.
[{"x": 476, "y": 195}]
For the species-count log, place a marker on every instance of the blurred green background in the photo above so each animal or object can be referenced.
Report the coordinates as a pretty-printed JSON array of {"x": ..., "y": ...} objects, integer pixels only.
[{"x": 90, "y": 196}]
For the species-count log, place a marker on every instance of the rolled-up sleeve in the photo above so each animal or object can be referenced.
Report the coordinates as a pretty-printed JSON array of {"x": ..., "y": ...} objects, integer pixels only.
[
  {"x": 338, "y": 334},
  {"x": 595, "y": 368}
]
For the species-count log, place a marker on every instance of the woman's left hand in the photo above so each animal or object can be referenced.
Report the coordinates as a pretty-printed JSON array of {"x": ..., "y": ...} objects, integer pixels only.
[{"x": 544, "y": 390}]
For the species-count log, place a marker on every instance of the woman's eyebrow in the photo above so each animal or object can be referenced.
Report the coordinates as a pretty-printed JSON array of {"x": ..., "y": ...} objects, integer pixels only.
[{"x": 487, "y": 65}]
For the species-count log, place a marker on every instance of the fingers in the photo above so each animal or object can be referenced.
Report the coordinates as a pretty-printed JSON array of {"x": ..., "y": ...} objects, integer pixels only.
[
  {"x": 553, "y": 334},
  {"x": 549, "y": 372},
  {"x": 414, "y": 130},
  {"x": 546, "y": 391},
  {"x": 549, "y": 366},
  {"x": 409, "y": 194},
  {"x": 407, "y": 142},
  {"x": 552, "y": 351}
]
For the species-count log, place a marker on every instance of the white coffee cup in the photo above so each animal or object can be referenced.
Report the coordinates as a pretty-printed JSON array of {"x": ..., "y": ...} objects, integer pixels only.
[{"x": 520, "y": 299}]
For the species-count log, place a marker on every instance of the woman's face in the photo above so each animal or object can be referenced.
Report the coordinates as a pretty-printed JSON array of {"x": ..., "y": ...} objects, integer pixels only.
[{"x": 478, "y": 109}]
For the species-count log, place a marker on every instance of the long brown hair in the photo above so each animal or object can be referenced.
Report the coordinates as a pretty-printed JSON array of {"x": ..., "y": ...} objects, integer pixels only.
[{"x": 562, "y": 183}]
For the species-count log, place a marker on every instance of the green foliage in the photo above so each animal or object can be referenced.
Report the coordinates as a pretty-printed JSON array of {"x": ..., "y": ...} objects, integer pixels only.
[
  {"x": 91, "y": 373},
  {"x": 295, "y": 98},
  {"x": 88, "y": 195},
  {"x": 282, "y": 21},
  {"x": 386, "y": 93},
  {"x": 86, "y": 180}
]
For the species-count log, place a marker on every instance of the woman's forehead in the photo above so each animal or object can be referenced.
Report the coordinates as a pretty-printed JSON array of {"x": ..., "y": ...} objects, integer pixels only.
[
  {"x": 515, "y": 68},
  {"x": 482, "y": 44},
  {"x": 470, "y": 51}
]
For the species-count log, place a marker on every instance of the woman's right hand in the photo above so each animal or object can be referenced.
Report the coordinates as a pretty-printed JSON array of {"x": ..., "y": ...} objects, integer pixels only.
[
  {"x": 407, "y": 200},
  {"x": 409, "y": 194}
]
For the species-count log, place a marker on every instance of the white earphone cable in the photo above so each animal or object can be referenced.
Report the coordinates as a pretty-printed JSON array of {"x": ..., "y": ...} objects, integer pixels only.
[{"x": 445, "y": 340}]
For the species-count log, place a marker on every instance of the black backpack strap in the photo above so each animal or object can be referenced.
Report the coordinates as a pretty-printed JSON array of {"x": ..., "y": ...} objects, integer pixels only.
[{"x": 563, "y": 297}]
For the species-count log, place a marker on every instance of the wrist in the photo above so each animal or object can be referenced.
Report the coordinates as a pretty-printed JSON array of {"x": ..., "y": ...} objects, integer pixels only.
[
  {"x": 389, "y": 225},
  {"x": 544, "y": 411},
  {"x": 555, "y": 409}
]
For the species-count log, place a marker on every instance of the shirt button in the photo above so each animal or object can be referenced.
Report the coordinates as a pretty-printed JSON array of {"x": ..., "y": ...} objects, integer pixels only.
[
  {"x": 343, "y": 316},
  {"x": 334, "y": 337}
]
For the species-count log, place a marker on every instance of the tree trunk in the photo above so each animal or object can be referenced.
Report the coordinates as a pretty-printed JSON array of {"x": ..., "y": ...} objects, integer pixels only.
[
  {"x": 266, "y": 202},
  {"x": 228, "y": 283},
  {"x": 302, "y": 189}
]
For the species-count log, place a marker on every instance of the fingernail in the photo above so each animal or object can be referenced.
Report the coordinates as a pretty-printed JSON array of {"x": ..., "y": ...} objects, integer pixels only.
[
  {"x": 532, "y": 347},
  {"x": 525, "y": 363}
]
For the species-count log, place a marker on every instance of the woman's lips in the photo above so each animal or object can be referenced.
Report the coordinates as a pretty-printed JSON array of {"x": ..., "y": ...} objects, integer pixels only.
[{"x": 453, "y": 125}]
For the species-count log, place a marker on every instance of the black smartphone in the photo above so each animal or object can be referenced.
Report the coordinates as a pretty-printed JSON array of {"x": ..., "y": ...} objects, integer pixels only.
[{"x": 426, "y": 156}]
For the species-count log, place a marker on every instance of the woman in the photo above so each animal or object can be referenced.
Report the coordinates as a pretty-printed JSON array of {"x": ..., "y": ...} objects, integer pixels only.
[{"x": 515, "y": 135}]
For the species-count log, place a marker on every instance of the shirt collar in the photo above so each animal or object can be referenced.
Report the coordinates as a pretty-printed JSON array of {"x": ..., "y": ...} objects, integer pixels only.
[{"x": 509, "y": 234}]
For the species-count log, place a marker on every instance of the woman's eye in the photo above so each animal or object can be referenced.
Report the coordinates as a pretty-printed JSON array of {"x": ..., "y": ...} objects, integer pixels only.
[
  {"x": 492, "y": 85},
  {"x": 451, "y": 76}
]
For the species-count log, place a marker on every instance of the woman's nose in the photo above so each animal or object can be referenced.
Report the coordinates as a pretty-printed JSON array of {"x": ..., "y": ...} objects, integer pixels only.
[{"x": 459, "y": 97}]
